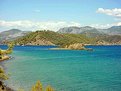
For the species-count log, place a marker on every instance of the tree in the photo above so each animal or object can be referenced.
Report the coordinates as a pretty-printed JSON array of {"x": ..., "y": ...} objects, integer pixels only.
[{"x": 38, "y": 87}]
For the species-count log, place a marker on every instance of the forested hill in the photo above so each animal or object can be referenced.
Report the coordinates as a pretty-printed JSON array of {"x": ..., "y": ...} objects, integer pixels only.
[{"x": 53, "y": 38}]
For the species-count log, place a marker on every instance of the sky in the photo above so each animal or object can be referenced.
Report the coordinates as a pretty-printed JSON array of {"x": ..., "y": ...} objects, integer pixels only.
[{"x": 31, "y": 15}]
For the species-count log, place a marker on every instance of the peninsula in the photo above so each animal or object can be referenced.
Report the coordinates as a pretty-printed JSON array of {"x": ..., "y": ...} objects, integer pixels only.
[{"x": 3, "y": 53}]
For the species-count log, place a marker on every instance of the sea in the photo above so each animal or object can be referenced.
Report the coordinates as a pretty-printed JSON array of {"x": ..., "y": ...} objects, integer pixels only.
[{"x": 65, "y": 70}]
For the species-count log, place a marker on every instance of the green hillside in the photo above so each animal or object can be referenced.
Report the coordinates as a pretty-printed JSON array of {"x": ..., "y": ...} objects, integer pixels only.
[
  {"x": 62, "y": 39},
  {"x": 55, "y": 38}
]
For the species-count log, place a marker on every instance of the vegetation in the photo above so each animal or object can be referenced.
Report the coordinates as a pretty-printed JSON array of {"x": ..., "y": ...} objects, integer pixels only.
[
  {"x": 112, "y": 38},
  {"x": 38, "y": 87},
  {"x": 55, "y": 38},
  {"x": 2, "y": 53},
  {"x": 2, "y": 74},
  {"x": 8, "y": 51},
  {"x": 66, "y": 39},
  {"x": 63, "y": 40}
]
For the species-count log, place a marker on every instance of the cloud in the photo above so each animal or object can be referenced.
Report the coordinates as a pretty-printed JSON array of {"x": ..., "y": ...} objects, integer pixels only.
[
  {"x": 119, "y": 24},
  {"x": 102, "y": 26},
  {"x": 116, "y": 12},
  {"x": 31, "y": 25},
  {"x": 105, "y": 26},
  {"x": 27, "y": 25}
]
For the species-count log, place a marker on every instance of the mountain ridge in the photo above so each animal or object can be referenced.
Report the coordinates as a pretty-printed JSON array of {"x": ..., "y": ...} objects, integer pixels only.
[
  {"x": 65, "y": 39},
  {"x": 114, "y": 30},
  {"x": 65, "y": 36},
  {"x": 12, "y": 34}
]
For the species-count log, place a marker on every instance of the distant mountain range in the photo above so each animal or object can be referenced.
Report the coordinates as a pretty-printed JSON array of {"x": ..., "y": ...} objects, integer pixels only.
[
  {"x": 114, "y": 30},
  {"x": 78, "y": 30},
  {"x": 63, "y": 39},
  {"x": 64, "y": 36},
  {"x": 12, "y": 34},
  {"x": 91, "y": 31}
]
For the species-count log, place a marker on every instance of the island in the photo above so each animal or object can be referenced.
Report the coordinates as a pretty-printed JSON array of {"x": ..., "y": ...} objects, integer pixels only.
[{"x": 75, "y": 46}]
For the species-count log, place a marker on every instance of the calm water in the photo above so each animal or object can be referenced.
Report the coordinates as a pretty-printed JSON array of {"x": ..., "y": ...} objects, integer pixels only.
[{"x": 66, "y": 70}]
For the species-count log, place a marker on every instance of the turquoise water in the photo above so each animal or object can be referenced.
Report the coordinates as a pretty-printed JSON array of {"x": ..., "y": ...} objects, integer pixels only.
[{"x": 66, "y": 70}]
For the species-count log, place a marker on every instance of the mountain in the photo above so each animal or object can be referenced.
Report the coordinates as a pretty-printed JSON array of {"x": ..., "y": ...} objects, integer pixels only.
[
  {"x": 90, "y": 31},
  {"x": 87, "y": 30},
  {"x": 114, "y": 30},
  {"x": 52, "y": 38},
  {"x": 65, "y": 36},
  {"x": 65, "y": 39},
  {"x": 78, "y": 30},
  {"x": 12, "y": 34},
  {"x": 113, "y": 39}
]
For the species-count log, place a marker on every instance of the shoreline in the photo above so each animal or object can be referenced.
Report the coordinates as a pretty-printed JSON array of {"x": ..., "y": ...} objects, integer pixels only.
[
  {"x": 5, "y": 85},
  {"x": 59, "y": 49},
  {"x": 58, "y": 45},
  {"x": 101, "y": 44},
  {"x": 5, "y": 58},
  {"x": 87, "y": 49}
]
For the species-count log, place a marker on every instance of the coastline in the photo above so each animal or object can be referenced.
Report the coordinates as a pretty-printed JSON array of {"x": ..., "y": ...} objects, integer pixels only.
[
  {"x": 102, "y": 44},
  {"x": 4, "y": 76},
  {"x": 59, "y": 49},
  {"x": 4, "y": 58},
  {"x": 5, "y": 85},
  {"x": 58, "y": 45}
]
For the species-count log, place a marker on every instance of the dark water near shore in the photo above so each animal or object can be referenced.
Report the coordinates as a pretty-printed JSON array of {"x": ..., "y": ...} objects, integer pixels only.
[{"x": 66, "y": 70}]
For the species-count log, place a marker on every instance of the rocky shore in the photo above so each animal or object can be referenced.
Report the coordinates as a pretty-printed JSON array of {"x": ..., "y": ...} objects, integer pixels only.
[
  {"x": 3, "y": 57},
  {"x": 4, "y": 88},
  {"x": 75, "y": 46},
  {"x": 3, "y": 77}
]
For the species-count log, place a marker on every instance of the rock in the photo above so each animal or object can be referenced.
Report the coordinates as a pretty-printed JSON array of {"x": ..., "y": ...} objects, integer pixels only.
[
  {"x": 76, "y": 46},
  {"x": 4, "y": 88}
]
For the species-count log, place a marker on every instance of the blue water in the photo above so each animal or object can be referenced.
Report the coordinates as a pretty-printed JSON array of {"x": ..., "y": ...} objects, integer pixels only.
[{"x": 66, "y": 70}]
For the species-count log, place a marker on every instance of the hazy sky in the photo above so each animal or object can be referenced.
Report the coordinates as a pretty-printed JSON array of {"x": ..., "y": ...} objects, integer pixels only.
[{"x": 54, "y": 14}]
